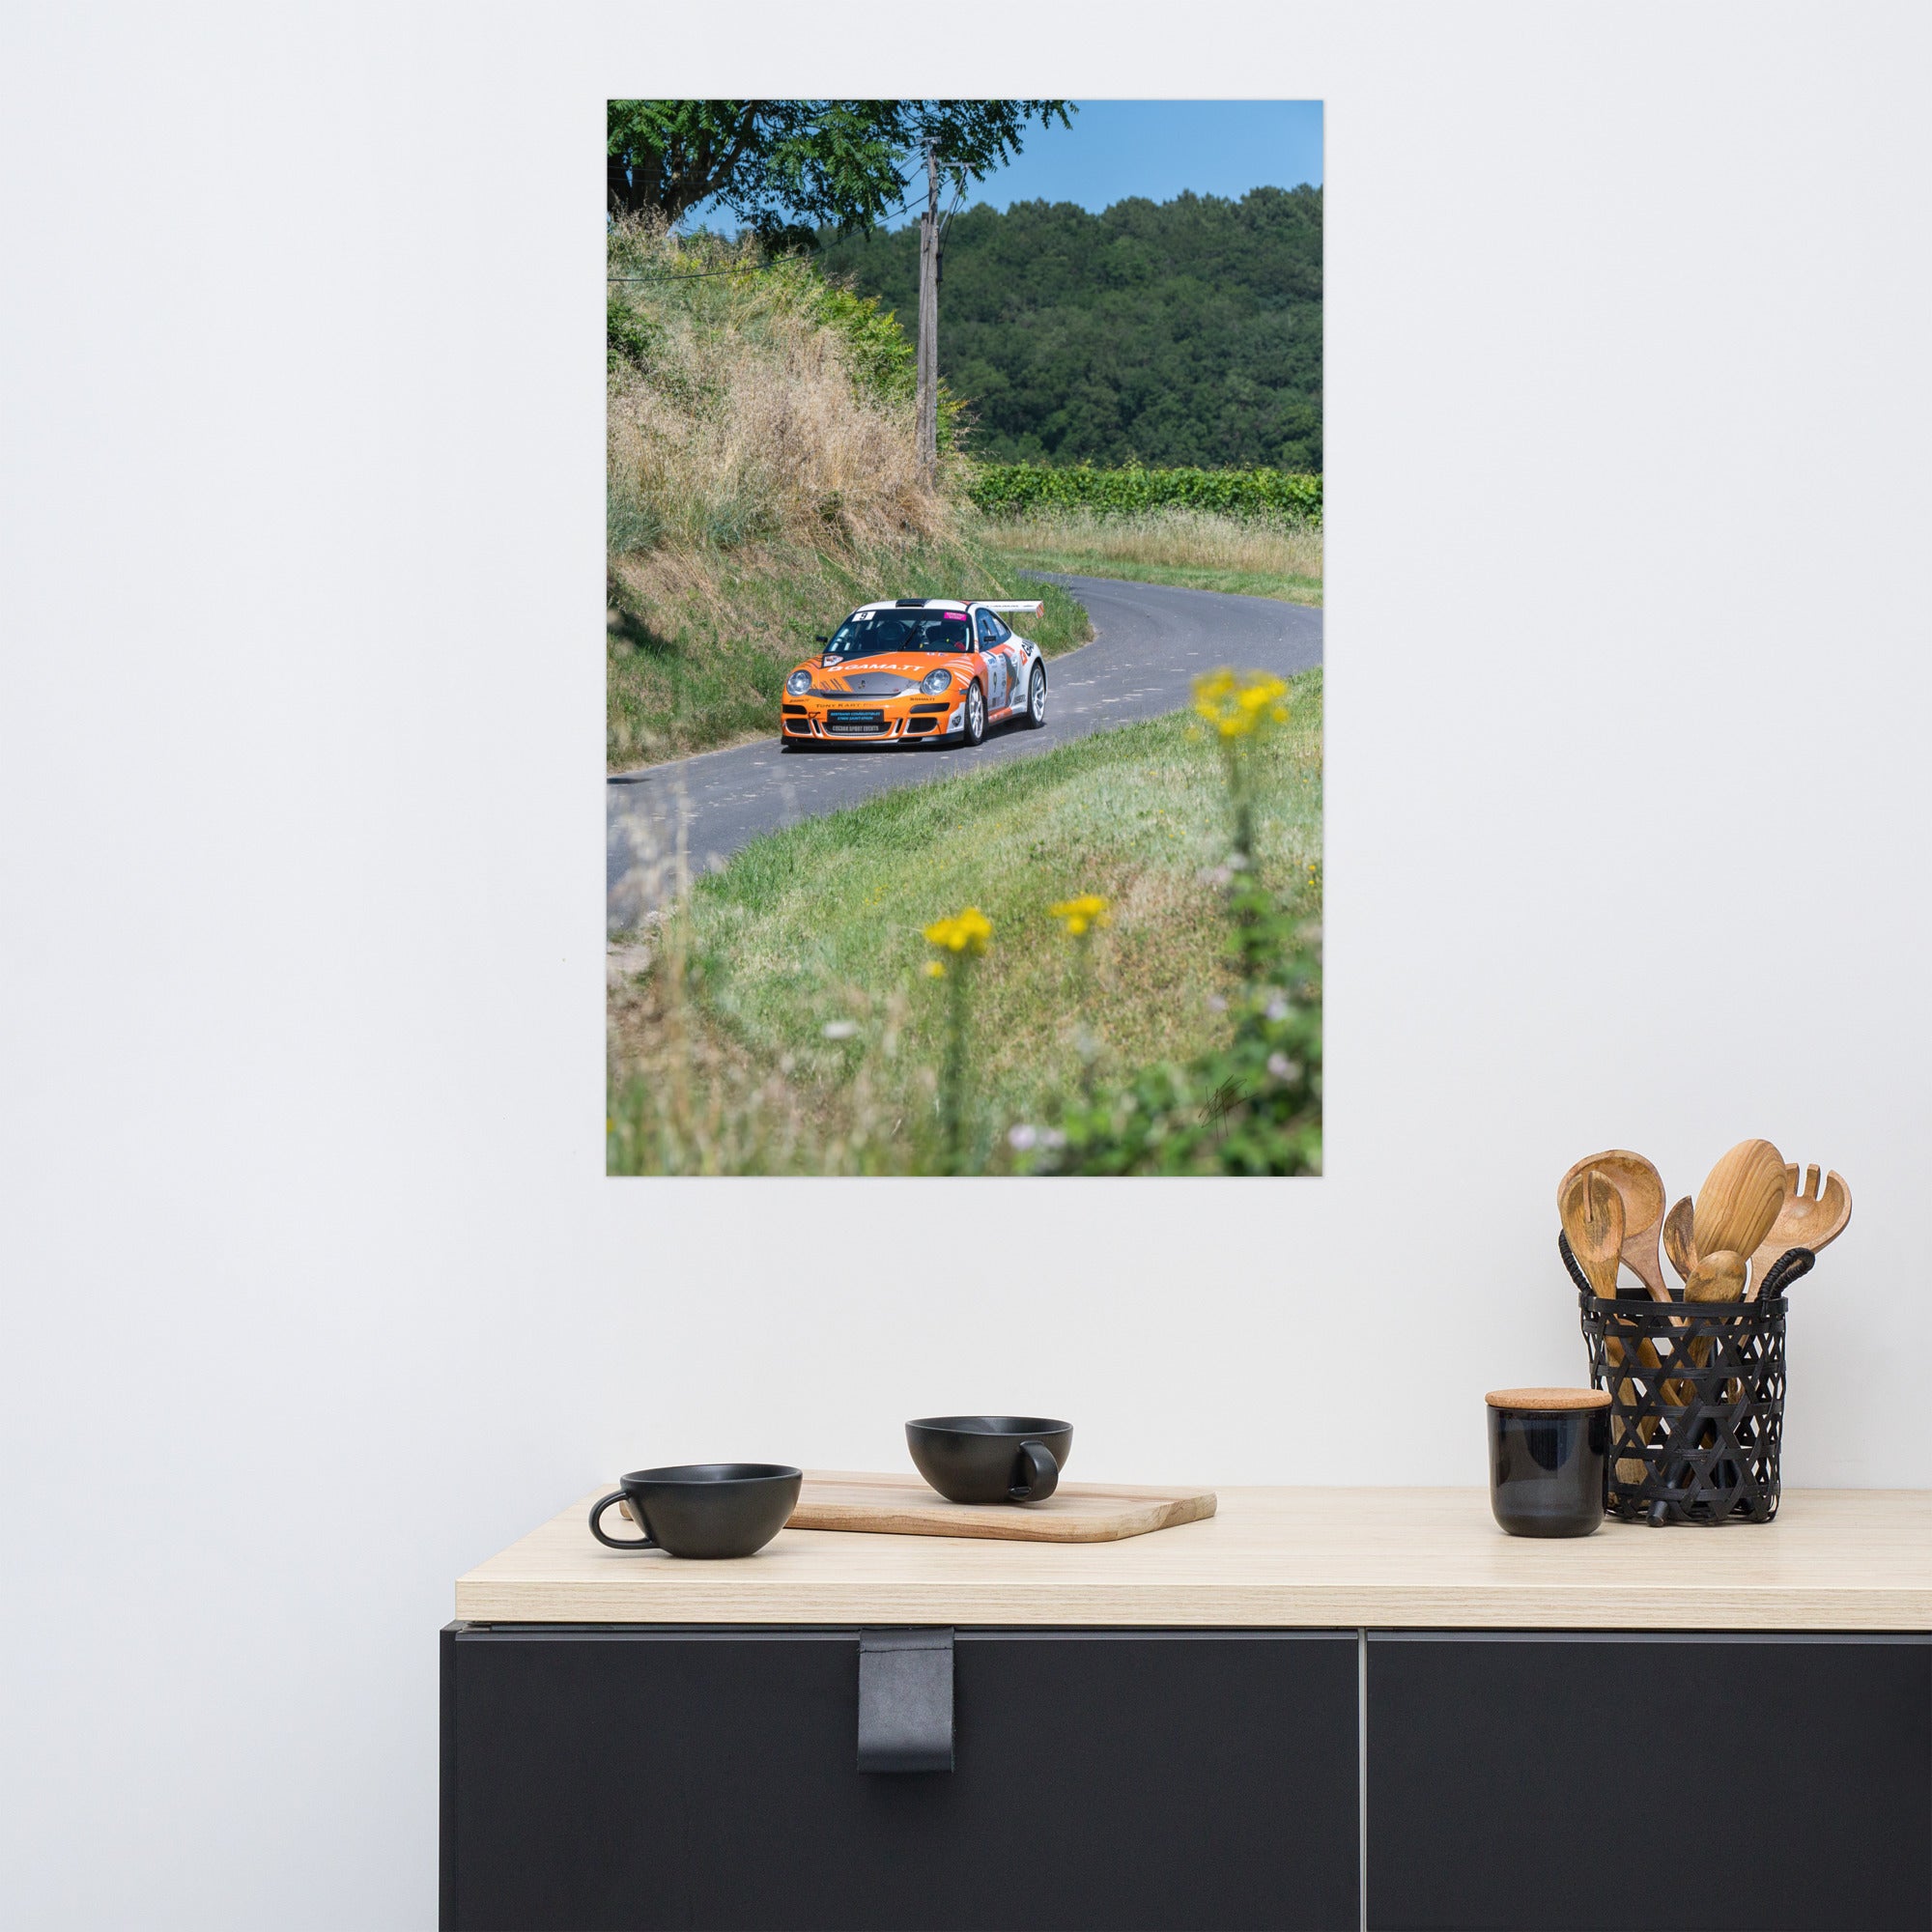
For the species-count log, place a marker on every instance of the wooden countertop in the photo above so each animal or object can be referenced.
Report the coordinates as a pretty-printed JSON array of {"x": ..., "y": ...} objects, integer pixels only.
[{"x": 1835, "y": 1559}]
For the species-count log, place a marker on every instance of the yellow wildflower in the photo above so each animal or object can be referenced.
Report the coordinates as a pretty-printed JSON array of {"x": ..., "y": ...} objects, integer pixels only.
[
  {"x": 1077, "y": 914},
  {"x": 965, "y": 933},
  {"x": 1240, "y": 705},
  {"x": 935, "y": 969}
]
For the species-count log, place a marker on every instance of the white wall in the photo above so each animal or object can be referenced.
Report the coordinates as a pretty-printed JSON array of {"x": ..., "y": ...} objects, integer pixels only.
[{"x": 315, "y": 1294}]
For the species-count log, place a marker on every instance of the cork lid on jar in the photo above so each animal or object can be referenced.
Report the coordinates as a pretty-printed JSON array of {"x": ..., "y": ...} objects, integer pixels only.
[{"x": 1548, "y": 1401}]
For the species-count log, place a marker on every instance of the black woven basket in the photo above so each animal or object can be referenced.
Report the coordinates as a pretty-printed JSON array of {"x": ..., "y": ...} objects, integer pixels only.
[{"x": 1696, "y": 1400}]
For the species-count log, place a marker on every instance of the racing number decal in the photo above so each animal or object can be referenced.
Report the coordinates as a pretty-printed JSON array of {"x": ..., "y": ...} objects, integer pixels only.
[{"x": 996, "y": 680}]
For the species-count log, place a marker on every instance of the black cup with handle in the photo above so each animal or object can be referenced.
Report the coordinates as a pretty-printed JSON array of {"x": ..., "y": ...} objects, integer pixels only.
[
  {"x": 702, "y": 1509},
  {"x": 990, "y": 1459}
]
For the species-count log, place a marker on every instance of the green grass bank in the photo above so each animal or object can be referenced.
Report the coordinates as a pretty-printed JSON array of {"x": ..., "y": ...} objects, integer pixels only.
[{"x": 1197, "y": 550}]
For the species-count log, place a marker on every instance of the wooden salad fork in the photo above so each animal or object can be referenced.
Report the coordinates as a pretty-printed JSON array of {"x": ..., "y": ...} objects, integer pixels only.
[{"x": 1810, "y": 1215}]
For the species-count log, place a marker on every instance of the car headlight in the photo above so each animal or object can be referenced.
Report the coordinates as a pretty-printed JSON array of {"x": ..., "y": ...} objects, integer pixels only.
[
  {"x": 798, "y": 683},
  {"x": 936, "y": 681}
]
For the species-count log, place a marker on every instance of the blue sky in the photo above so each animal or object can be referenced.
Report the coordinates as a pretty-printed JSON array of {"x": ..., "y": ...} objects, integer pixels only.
[
  {"x": 1157, "y": 149},
  {"x": 1161, "y": 148}
]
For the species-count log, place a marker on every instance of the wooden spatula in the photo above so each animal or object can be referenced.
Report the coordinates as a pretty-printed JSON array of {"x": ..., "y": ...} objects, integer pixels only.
[
  {"x": 1640, "y": 1185},
  {"x": 1593, "y": 1218},
  {"x": 1740, "y": 1199},
  {"x": 1593, "y": 1221}
]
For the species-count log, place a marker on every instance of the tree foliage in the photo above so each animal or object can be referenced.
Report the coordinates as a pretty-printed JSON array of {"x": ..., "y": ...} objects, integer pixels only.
[
  {"x": 784, "y": 167},
  {"x": 1181, "y": 332}
]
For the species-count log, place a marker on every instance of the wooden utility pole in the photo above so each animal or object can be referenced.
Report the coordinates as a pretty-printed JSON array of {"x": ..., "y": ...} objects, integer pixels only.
[{"x": 928, "y": 322}]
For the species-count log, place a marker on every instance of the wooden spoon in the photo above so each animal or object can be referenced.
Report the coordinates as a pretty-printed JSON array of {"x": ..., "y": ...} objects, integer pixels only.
[
  {"x": 1808, "y": 1217},
  {"x": 1642, "y": 1190},
  {"x": 1680, "y": 1239},
  {"x": 1740, "y": 1200},
  {"x": 1717, "y": 1277},
  {"x": 1593, "y": 1218}
]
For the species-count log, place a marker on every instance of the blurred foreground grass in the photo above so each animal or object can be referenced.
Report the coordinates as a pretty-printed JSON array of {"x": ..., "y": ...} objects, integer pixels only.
[{"x": 783, "y": 1023}]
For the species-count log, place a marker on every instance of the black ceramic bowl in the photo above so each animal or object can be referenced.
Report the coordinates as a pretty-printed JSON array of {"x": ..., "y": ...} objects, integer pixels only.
[
  {"x": 704, "y": 1509},
  {"x": 990, "y": 1459},
  {"x": 1548, "y": 1459}
]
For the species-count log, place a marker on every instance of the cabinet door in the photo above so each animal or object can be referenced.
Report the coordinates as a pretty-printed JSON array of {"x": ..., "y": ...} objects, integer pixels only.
[
  {"x": 602, "y": 1778},
  {"x": 1570, "y": 1783}
]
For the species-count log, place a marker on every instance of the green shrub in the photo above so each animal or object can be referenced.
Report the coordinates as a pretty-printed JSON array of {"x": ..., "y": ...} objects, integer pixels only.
[
  {"x": 628, "y": 336},
  {"x": 1013, "y": 489}
]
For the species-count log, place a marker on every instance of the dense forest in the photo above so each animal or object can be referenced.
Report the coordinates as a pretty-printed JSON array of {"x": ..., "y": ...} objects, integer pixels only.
[{"x": 1186, "y": 331}]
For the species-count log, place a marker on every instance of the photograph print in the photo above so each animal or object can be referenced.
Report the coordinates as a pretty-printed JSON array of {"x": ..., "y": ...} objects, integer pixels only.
[{"x": 963, "y": 638}]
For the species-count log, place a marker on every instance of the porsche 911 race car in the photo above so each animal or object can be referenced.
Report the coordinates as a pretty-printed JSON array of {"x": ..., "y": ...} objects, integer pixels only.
[{"x": 918, "y": 669}]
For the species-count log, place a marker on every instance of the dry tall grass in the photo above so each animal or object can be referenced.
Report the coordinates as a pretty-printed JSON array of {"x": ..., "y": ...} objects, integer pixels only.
[
  {"x": 745, "y": 417},
  {"x": 1182, "y": 538}
]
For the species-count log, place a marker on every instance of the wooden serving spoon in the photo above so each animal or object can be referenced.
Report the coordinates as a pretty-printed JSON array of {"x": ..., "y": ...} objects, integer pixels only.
[
  {"x": 1680, "y": 1239},
  {"x": 1641, "y": 1187},
  {"x": 1717, "y": 1277},
  {"x": 1810, "y": 1216},
  {"x": 1680, "y": 1243},
  {"x": 1740, "y": 1200}
]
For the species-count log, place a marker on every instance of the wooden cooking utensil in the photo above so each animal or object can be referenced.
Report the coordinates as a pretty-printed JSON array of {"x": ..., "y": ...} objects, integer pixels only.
[
  {"x": 1717, "y": 1277},
  {"x": 1807, "y": 1217},
  {"x": 1593, "y": 1218},
  {"x": 1592, "y": 1210},
  {"x": 1641, "y": 1187},
  {"x": 1738, "y": 1200},
  {"x": 1679, "y": 1241}
]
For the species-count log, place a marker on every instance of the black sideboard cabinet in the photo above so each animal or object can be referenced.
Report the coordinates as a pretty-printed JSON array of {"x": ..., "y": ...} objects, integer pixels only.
[
  {"x": 598, "y": 1777},
  {"x": 1585, "y": 1782}
]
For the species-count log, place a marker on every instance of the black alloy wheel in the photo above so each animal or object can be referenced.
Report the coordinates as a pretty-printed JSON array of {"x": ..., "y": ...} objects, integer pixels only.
[{"x": 1035, "y": 704}]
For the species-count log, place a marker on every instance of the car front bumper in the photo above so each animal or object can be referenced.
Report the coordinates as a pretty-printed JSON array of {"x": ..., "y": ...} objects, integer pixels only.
[{"x": 890, "y": 720}]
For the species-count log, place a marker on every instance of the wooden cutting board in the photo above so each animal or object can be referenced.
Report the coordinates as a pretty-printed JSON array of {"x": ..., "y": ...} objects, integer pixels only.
[{"x": 1075, "y": 1513}]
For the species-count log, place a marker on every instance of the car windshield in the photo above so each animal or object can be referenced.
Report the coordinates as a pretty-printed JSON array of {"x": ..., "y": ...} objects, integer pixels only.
[{"x": 872, "y": 634}]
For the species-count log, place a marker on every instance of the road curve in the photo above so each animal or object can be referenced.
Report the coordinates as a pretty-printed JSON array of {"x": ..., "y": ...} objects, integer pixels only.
[{"x": 1150, "y": 641}]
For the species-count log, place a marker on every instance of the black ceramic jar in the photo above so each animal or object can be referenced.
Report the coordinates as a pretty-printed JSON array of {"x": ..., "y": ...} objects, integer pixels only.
[{"x": 1548, "y": 1457}]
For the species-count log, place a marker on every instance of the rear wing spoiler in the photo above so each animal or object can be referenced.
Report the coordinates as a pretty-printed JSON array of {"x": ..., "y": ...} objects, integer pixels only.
[{"x": 1032, "y": 610}]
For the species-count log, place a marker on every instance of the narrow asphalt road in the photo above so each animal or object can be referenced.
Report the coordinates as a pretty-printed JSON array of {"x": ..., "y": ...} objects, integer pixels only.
[{"x": 1150, "y": 641}]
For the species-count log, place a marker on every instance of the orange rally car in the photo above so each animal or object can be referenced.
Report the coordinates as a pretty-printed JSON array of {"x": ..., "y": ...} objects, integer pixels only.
[{"x": 918, "y": 669}]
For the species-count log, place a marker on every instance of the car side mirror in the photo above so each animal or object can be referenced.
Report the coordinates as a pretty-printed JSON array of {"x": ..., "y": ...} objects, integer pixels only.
[{"x": 818, "y": 637}]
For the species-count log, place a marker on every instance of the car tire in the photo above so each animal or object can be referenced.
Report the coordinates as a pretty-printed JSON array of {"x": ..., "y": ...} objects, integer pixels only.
[
  {"x": 787, "y": 742},
  {"x": 975, "y": 727},
  {"x": 1035, "y": 714}
]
